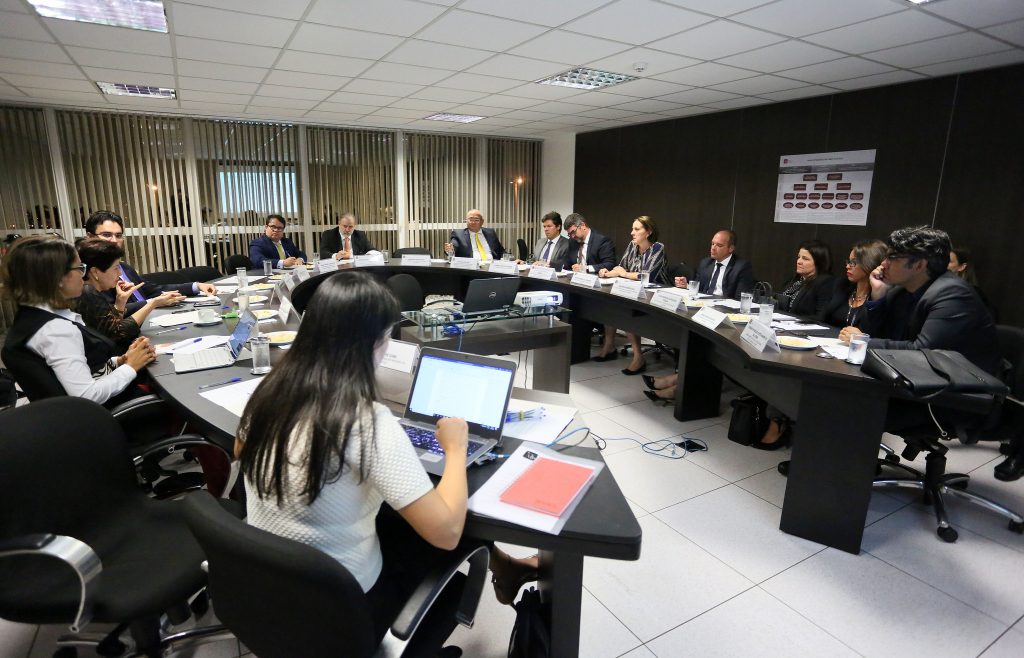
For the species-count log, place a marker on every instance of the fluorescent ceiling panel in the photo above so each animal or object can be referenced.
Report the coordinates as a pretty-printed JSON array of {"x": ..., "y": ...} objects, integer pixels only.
[{"x": 136, "y": 14}]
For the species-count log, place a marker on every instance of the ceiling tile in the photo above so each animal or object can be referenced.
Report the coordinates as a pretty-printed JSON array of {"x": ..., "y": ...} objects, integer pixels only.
[
  {"x": 545, "y": 92},
  {"x": 194, "y": 21},
  {"x": 292, "y": 9},
  {"x": 518, "y": 68},
  {"x": 800, "y": 92},
  {"x": 576, "y": 120},
  {"x": 126, "y": 61},
  {"x": 421, "y": 104},
  {"x": 360, "y": 86},
  {"x": 891, "y": 78},
  {"x": 556, "y": 107},
  {"x": 437, "y": 55},
  {"x": 211, "y": 108},
  {"x": 799, "y": 17},
  {"x": 737, "y": 103},
  {"x": 607, "y": 113},
  {"x": 1012, "y": 32},
  {"x": 293, "y": 60},
  {"x": 192, "y": 68},
  {"x": 40, "y": 82},
  {"x": 384, "y": 122},
  {"x": 19, "y": 49},
  {"x": 91, "y": 35},
  {"x": 332, "y": 117},
  {"x": 979, "y": 13},
  {"x": 647, "y": 106},
  {"x": 75, "y": 96},
  {"x": 384, "y": 16},
  {"x": 22, "y": 26},
  {"x": 698, "y": 96},
  {"x": 474, "y": 82},
  {"x": 347, "y": 108},
  {"x": 404, "y": 73},
  {"x": 49, "y": 69},
  {"x": 718, "y": 7},
  {"x": 452, "y": 95},
  {"x": 498, "y": 121},
  {"x": 562, "y": 46},
  {"x": 603, "y": 125},
  {"x": 400, "y": 113},
  {"x": 311, "y": 80},
  {"x": 785, "y": 55},
  {"x": 543, "y": 12},
  {"x": 462, "y": 28},
  {"x": 1004, "y": 58},
  {"x": 196, "y": 96},
  {"x": 208, "y": 50},
  {"x": 885, "y": 32},
  {"x": 293, "y": 103},
  {"x": 654, "y": 61},
  {"x": 338, "y": 41},
  {"x": 957, "y": 46},
  {"x": 509, "y": 102},
  {"x": 706, "y": 74},
  {"x": 130, "y": 77},
  {"x": 528, "y": 115},
  {"x": 603, "y": 99},
  {"x": 280, "y": 91},
  {"x": 224, "y": 86},
  {"x": 839, "y": 69},
  {"x": 686, "y": 111},
  {"x": 646, "y": 88},
  {"x": 636, "y": 21},
  {"x": 345, "y": 96},
  {"x": 7, "y": 91},
  {"x": 271, "y": 112},
  {"x": 479, "y": 110},
  {"x": 759, "y": 85},
  {"x": 716, "y": 39}
]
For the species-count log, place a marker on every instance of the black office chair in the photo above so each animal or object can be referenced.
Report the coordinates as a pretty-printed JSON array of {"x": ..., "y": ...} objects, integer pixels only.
[
  {"x": 236, "y": 261},
  {"x": 412, "y": 251},
  {"x": 80, "y": 542},
  {"x": 198, "y": 273},
  {"x": 680, "y": 269},
  {"x": 165, "y": 278},
  {"x": 408, "y": 291},
  {"x": 999, "y": 426},
  {"x": 524, "y": 250},
  {"x": 317, "y": 607}
]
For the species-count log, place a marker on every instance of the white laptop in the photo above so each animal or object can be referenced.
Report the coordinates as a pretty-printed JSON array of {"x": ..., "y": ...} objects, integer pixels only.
[
  {"x": 218, "y": 357},
  {"x": 456, "y": 384}
]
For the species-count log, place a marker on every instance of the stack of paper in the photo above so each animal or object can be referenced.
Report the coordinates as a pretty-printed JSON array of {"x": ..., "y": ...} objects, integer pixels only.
[
  {"x": 174, "y": 319},
  {"x": 233, "y": 397}
]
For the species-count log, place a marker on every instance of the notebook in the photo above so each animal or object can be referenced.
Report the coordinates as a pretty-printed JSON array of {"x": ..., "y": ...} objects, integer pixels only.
[
  {"x": 456, "y": 384},
  {"x": 548, "y": 486},
  {"x": 218, "y": 357}
]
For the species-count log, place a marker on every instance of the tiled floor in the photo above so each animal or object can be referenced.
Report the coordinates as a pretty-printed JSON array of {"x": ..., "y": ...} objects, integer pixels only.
[{"x": 717, "y": 578}]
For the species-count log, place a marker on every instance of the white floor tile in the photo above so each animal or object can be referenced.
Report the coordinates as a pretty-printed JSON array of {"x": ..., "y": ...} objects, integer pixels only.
[
  {"x": 877, "y": 610},
  {"x": 984, "y": 522},
  {"x": 768, "y": 485},
  {"x": 491, "y": 630},
  {"x": 730, "y": 460},
  {"x": 637, "y": 510},
  {"x": 653, "y": 422},
  {"x": 1010, "y": 645},
  {"x": 606, "y": 392},
  {"x": 16, "y": 639},
  {"x": 639, "y": 652},
  {"x": 673, "y": 581},
  {"x": 975, "y": 570},
  {"x": 960, "y": 458},
  {"x": 605, "y": 427},
  {"x": 46, "y": 644},
  {"x": 656, "y": 482},
  {"x": 601, "y": 634},
  {"x": 750, "y": 625}
]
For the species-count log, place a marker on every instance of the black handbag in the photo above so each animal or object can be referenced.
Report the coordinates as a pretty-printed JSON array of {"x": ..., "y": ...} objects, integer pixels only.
[
  {"x": 530, "y": 636},
  {"x": 930, "y": 373},
  {"x": 749, "y": 419}
]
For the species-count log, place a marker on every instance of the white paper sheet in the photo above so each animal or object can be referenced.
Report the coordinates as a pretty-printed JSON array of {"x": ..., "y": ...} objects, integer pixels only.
[
  {"x": 203, "y": 343},
  {"x": 200, "y": 299},
  {"x": 233, "y": 397},
  {"x": 542, "y": 430},
  {"x": 838, "y": 351},
  {"x": 733, "y": 304},
  {"x": 793, "y": 325},
  {"x": 174, "y": 319}
]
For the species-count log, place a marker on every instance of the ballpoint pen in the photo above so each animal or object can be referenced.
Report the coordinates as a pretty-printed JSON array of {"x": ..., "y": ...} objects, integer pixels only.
[
  {"x": 167, "y": 331},
  {"x": 230, "y": 381}
]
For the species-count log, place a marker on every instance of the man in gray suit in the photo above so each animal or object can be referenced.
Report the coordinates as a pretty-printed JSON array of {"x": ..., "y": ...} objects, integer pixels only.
[{"x": 551, "y": 249}]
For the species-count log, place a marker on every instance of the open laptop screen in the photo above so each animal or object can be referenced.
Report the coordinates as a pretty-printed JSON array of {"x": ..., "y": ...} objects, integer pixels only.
[
  {"x": 241, "y": 333},
  {"x": 478, "y": 392}
]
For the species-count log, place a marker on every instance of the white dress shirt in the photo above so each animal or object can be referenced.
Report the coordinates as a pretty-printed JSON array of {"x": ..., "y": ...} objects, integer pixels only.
[
  {"x": 486, "y": 255},
  {"x": 61, "y": 344},
  {"x": 721, "y": 276},
  {"x": 581, "y": 251}
]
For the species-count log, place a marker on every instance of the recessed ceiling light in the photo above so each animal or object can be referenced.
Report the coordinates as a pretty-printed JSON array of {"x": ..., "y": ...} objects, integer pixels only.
[
  {"x": 458, "y": 118},
  {"x": 583, "y": 78},
  {"x": 920, "y": 2},
  {"x": 136, "y": 14},
  {"x": 122, "y": 89}
]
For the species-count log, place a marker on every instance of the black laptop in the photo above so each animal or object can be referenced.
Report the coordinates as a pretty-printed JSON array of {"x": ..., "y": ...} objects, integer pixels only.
[{"x": 491, "y": 295}]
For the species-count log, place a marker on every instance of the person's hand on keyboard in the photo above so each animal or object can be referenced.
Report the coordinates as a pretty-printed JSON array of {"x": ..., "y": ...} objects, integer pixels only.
[{"x": 453, "y": 435}]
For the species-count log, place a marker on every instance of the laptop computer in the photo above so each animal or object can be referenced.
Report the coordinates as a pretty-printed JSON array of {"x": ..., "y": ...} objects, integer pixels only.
[
  {"x": 456, "y": 384},
  {"x": 221, "y": 356},
  {"x": 491, "y": 295}
]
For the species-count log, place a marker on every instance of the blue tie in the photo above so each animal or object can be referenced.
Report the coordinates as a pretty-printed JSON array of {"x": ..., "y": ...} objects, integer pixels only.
[
  {"x": 547, "y": 250},
  {"x": 714, "y": 280}
]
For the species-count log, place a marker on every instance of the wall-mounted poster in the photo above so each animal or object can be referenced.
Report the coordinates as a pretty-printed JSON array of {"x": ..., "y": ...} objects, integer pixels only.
[{"x": 825, "y": 188}]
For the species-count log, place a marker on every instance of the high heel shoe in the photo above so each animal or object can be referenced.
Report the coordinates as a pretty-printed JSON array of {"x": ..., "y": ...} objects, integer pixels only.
[
  {"x": 649, "y": 382},
  {"x": 610, "y": 356},
  {"x": 654, "y": 397},
  {"x": 627, "y": 371},
  {"x": 784, "y": 436},
  {"x": 510, "y": 578}
]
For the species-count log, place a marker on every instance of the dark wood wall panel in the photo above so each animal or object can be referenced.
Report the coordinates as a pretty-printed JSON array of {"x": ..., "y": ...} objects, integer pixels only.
[{"x": 697, "y": 174}]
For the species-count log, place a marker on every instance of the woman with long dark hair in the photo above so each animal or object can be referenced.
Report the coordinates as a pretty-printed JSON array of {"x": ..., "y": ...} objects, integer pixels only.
[
  {"x": 847, "y": 308},
  {"x": 810, "y": 289}
]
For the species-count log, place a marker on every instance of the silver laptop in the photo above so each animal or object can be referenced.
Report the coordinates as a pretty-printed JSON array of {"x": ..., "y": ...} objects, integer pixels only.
[
  {"x": 456, "y": 384},
  {"x": 221, "y": 356}
]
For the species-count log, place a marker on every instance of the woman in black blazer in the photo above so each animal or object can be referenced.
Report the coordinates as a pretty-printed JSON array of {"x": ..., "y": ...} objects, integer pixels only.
[{"x": 810, "y": 290}]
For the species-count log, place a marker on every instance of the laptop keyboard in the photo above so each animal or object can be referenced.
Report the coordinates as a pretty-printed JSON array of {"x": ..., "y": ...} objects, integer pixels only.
[{"x": 425, "y": 440}]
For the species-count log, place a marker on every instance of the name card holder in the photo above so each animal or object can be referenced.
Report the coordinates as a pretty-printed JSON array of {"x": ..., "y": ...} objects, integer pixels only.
[
  {"x": 710, "y": 318},
  {"x": 585, "y": 280},
  {"x": 628, "y": 289},
  {"x": 368, "y": 260},
  {"x": 290, "y": 281},
  {"x": 503, "y": 267},
  {"x": 300, "y": 274},
  {"x": 760, "y": 337},
  {"x": 667, "y": 299},
  {"x": 541, "y": 272},
  {"x": 400, "y": 356},
  {"x": 465, "y": 263},
  {"x": 327, "y": 266},
  {"x": 284, "y": 309},
  {"x": 417, "y": 260}
]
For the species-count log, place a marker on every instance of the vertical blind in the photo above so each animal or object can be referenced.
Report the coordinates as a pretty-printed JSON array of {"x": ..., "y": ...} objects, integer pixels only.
[
  {"x": 441, "y": 183},
  {"x": 513, "y": 179}
]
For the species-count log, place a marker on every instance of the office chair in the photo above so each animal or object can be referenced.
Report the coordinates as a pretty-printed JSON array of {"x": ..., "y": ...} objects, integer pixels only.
[
  {"x": 524, "y": 250},
  {"x": 165, "y": 278},
  {"x": 80, "y": 543},
  {"x": 282, "y": 598},
  {"x": 411, "y": 251},
  {"x": 1006, "y": 422},
  {"x": 407, "y": 290},
  {"x": 236, "y": 261},
  {"x": 680, "y": 269},
  {"x": 198, "y": 273}
]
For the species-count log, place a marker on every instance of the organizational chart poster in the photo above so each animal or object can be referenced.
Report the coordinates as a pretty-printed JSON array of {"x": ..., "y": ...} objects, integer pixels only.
[{"x": 825, "y": 188}]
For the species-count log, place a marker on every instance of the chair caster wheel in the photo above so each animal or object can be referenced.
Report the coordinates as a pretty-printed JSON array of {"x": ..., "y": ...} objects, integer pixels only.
[
  {"x": 1016, "y": 527},
  {"x": 947, "y": 534},
  {"x": 783, "y": 468}
]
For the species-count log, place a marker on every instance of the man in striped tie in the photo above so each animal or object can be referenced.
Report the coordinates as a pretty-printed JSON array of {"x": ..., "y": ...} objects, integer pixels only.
[{"x": 475, "y": 241}]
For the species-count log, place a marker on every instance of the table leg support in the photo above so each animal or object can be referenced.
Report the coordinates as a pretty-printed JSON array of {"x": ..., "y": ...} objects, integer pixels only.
[
  {"x": 561, "y": 587},
  {"x": 699, "y": 390}
]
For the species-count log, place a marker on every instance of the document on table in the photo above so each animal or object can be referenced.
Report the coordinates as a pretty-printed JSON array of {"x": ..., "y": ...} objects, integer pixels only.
[
  {"x": 733, "y": 304},
  {"x": 202, "y": 343},
  {"x": 543, "y": 429},
  {"x": 233, "y": 280},
  {"x": 795, "y": 325},
  {"x": 174, "y": 319},
  {"x": 233, "y": 397}
]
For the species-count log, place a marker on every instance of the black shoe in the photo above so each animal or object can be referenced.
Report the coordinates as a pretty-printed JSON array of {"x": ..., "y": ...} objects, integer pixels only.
[
  {"x": 783, "y": 468},
  {"x": 653, "y": 397},
  {"x": 1011, "y": 469},
  {"x": 781, "y": 442},
  {"x": 607, "y": 357},
  {"x": 627, "y": 371},
  {"x": 649, "y": 382}
]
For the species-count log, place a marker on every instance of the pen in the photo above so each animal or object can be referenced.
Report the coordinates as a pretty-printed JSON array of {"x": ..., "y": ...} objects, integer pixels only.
[
  {"x": 184, "y": 310},
  {"x": 167, "y": 331},
  {"x": 230, "y": 381}
]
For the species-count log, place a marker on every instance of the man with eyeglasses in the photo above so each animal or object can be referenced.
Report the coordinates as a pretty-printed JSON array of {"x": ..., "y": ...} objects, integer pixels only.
[
  {"x": 592, "y": 252},
  {"x": 475, "y": 241},
  {"x": 345, "y": 241},
  {"x": 109, "y": 226},
  {"x": 273, "y": 246}
]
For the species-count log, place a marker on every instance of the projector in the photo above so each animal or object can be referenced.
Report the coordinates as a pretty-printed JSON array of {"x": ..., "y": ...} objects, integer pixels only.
[{"x": 538, "y": 298}]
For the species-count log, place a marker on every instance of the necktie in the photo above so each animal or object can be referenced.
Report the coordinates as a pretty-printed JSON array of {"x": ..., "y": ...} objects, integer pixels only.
[
  {"x": 348, "y": 244},
  {"x": 480, "y": 247},
  {"x": 547, "y": 250},
  {"x": 582, "y": 258},
  {"x": 714, "y": 279},
  {"x": 280, "y": 250},
  {"x": 137, "y": 296}
]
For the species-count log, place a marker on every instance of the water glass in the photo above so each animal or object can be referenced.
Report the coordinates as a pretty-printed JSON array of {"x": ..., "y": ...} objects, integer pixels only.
[
  {"x": 764, "y": 314},
  {"x": 386, "y": 254},
  {"x": 243, "y": 303},
  {"x": 315, "y": 262},
  {"x": 858, "y": 348},
  {"x": 746, "y": 300},
  {"x": 260, "y": 348},
  {"x": 693, "y": 287},
  {"x": 243, "y": 278},
  {"x": 645, "y": 278},
  {"x": 268, "y": 267}
]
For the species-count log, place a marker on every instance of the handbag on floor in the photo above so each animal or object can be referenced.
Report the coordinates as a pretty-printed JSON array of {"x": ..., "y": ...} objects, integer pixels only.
[
  {"x": 749, "y": 419},
  {"x": 530, "y": 635}
]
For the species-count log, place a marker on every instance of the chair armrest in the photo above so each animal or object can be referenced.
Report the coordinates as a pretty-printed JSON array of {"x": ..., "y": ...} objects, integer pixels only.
[
  {"x": 172, "y": 442},
  {"x": 136, "y": 404},
  {"x": 74, "y": 553},
  {"x": 434, "y": 583}
]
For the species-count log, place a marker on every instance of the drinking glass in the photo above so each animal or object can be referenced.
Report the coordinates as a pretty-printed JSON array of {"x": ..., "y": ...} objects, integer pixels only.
[
  {"x": 243, "y": 303},
  {"x": 645, "y": 278},
  {"x": 243, "y": 278},
  {"x": 693, "y": 287},
  {"x": 268, "y": 268},
  {"x": 208, "y": 316},
  {"x": 386, "y": 254},
  {"x": 260, "y": 347},
  {"x": 858, "y": 348},
  {"x": 764, "y": 314},
  {"x": 746, "y": 300}
]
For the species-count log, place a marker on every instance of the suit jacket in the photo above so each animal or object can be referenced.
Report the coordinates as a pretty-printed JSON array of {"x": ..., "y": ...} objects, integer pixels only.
[
  {"x": 946, "y": 315},
  {"x": 460, "y": 239},
  {"x": 331, "y": 242},
  {"x": 262, "y": 248},
  {"x": 600, "y": 253},
  {"x": 559, "y": 251},
  {"x": 812, "y": 299},
  {"x": 738, "y": 276},
  {"x": 148, "y": 290}
]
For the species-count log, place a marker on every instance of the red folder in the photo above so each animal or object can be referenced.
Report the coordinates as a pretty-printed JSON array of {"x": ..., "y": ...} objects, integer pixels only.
[{"x": 547, "y": 486}]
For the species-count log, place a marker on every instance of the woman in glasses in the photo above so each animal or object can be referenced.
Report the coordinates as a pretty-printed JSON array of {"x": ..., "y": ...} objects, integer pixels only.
[
  {"x": 44, "y": 276},
  {"x": 847, "y": 307}
]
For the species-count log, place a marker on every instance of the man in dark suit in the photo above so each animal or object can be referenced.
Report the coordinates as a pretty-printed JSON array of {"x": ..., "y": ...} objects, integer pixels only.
[
  {"x": 592, "y": 252},
  {"x": 552, "y": 248},
  {"x": 723, "y": 273},
  {"x": 273, "y": 246},
  {"x": 345, "y": 241},
  {"x": 475, "y": 241},
  {"x": 109, "y": 226}
]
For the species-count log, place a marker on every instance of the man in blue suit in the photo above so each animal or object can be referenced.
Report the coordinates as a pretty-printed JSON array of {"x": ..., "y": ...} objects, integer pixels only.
[
  {"x": 475, "y": 241},
  {"x": 273, "y": 246}
]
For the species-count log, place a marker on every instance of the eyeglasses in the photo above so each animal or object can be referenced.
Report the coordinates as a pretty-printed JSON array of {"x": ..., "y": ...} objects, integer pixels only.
[
  {"x": 852, "y": 263},
  {"x": 572, "y": 231},
  {"x": 895, "y": 255},
  {"x": 474, "y": 219},
  {"x": 275, "y": 227},
  {"x": 80, "y": 268},
  {"x": 107, "y": 235}
]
